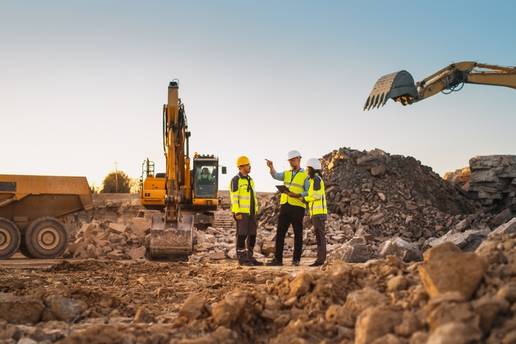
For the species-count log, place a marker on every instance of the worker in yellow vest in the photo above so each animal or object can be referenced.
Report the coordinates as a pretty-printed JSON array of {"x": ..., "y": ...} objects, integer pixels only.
[
  {"x": 292, "y": 209},
  {"x": 317, "y": 209},
  {"x": 244, "y": 206}
]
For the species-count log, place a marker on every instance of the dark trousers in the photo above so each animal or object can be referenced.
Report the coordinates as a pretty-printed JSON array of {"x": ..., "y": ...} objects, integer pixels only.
[
  {"x": 290, "y": 215},
  {"x": 246, "y": 233},
  {"x": 319, "y": 222}
]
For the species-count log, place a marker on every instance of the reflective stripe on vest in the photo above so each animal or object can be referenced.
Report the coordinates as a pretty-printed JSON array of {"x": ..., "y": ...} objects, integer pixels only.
[
  {"x": 241, "y": 198},
  {"x": 296, "y": 185},
  {"x": 318, "y": 205}
]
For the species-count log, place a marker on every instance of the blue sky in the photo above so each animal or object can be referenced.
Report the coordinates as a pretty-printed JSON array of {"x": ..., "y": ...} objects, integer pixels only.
[{"x": 82, "y": 83}]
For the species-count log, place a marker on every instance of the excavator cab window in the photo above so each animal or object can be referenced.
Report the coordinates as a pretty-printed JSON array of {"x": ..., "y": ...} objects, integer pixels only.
[{"x": 206, "y": 180}]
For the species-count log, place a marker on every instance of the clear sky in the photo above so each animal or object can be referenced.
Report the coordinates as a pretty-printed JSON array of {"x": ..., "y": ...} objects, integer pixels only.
[{"x": 82, "y": 83}]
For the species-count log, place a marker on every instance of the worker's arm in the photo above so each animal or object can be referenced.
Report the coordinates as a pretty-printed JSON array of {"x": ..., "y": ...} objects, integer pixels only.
[{"x": 276, "y": 175}]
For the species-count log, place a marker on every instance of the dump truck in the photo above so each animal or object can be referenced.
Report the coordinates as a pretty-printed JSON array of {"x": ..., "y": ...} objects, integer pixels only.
[{"x": 31, "y": 213}]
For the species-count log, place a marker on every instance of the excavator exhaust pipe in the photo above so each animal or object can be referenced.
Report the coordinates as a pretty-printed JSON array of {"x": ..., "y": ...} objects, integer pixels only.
[
  {"x": 398, "y": 86},
  {"x": 170, "y": 242}
]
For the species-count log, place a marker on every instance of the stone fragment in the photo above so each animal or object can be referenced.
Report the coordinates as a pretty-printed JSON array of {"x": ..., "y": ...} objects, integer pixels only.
[
  {"x": 301, "y": 284},
  {"x": 374, "y": 323},
  {"x": 63, "y": 308},
  {"x": 447, "y": 269},
  {"x": 455, "y": 333},
  {"x": 20, "y": 309},
  {"x": 193, "y": 307},
  {"x": 400, "y": 248},
  {"x": 229, "y": 309}
]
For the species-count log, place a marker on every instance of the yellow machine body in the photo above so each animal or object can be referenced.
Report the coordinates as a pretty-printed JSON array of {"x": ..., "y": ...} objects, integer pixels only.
[
  {"x": 186, "y": 197},
  {"x": 30, "y": 211}
]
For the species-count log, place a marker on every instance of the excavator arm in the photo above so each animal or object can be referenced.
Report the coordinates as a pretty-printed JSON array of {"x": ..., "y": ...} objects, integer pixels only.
[{"x": 401, "y": 88}]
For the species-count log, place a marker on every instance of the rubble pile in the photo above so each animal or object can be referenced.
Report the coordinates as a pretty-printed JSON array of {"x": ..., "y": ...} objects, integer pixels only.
[
  {"x": 378, "y": 197},
  {"x": 110, "y": 240},
  {"x": 491, "y": 180},
  {"x": 450, "y": 297}
]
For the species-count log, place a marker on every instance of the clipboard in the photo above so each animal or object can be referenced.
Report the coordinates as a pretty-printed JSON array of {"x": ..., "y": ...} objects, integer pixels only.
[{"x": 282, "y": 188}]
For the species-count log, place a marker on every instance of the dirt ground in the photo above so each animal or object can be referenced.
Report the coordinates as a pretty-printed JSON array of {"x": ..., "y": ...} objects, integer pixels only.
[{"x": 114, "y": 291}]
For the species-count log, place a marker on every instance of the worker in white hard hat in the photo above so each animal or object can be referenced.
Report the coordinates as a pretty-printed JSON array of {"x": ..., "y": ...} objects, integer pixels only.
[
  {"x": 317, "y": 207},
  {"x": 292, "y": 210}
]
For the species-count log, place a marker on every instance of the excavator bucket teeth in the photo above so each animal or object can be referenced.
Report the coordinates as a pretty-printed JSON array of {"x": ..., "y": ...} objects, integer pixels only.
[
  {"x": 392, "y": 86},
  {"x": 170, "y": 242}
]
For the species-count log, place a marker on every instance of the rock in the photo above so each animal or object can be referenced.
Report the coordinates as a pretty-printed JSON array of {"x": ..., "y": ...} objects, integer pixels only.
[
  {"x": 143, "y": 315},
  {"x": 64, "y": 308},
  {"x": 389, "y": 339},
  {"x": 378, "y": 170},
  {"x": 502, "y": 217},
  {"x": 507, "y": 292},
  {"x": 217, "y": 255},
  {"x": 487, "y": 309},
  {"x": 507, "y": 228},
  {"x": 447, "y": 269},
  {"x": 340, "y": 315},
  {"x": 440, "y": 312},
  {"x": 374, "y": 323},
  {"x": 467, "y": 241},
  {"x": 140, "y": 226},
  {"x": 27, "y": 341},
  {"x": 137, "y": 253},
  {"x": 268, "y": 248},
  {"x": 455, "y": 333},
  {"x": 229, "y": 309},
  {"x": 300, "y": 285},
  {"x": 221, "y": 335},
  {"x": 117, "y": 227},
  {"x": 193, "y": 307},
  {"x": 355, "y": 250},
  {"x": 400, "y": 248},
  {"x": 358, "y": 300},
  {"x": 397, "y": 283},
  {"x": 20, "y": 309}
]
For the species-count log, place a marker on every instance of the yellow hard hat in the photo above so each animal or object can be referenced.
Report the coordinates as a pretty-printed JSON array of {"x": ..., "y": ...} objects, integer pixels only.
[{"x": 242, "y": 160}]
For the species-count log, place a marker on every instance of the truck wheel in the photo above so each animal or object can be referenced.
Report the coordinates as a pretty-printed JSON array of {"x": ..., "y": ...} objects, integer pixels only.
[
  {"x": 45, "y": 237},
  {"x": 10, "y": 238}
]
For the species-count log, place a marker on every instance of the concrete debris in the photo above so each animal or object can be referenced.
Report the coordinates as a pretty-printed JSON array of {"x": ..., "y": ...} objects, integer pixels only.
[
  {"x": 491, "y": 179},
  {"x": 447, "y": 269}
]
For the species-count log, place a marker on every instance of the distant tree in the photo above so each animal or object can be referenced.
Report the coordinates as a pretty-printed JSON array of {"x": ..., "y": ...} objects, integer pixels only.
[{"x": 116, "y": 182}]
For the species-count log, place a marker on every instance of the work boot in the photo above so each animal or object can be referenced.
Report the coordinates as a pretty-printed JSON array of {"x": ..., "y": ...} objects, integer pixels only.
[
  {"x": 243, "y": 259},
  {"x": 296, "y": 262},
  {"x": 253, "y": 260},
  {"x": 275, "y": 262}
]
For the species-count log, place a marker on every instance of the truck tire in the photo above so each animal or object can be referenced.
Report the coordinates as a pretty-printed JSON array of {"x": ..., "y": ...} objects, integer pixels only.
[
  {"x": 10, "y": 238},
  {"x": 45, "y": 238}
]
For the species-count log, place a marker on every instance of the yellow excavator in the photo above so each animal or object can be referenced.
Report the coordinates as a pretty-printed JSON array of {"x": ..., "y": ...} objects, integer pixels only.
[
  {"x": 401, "y": 88},
  {"x": 180, "y": 198}
]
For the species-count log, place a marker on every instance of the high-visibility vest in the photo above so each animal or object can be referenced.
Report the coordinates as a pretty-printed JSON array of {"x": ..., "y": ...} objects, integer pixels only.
[
  {"x": 294, "y": 184},
  {"x": 316, "y": 197},
  {"x": 240, "y": 191}
]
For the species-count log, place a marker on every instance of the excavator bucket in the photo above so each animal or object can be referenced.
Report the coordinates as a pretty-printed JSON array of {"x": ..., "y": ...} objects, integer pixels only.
[
  {"x": 398, "y": 86},
  {"x": 170, "y": 242}
]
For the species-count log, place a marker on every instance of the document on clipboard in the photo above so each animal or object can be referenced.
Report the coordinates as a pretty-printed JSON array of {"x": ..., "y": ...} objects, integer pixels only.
[{"x": 282, "y": 188}]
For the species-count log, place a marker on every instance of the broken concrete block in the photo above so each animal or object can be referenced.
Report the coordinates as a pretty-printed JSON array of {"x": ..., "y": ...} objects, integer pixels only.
[{"x": 447, "y": 269}]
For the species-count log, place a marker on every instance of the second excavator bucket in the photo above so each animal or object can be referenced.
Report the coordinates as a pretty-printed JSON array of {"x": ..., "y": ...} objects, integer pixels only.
[
  {"x": 170, "y": 242},
  {"x": 399, "y": 86}
]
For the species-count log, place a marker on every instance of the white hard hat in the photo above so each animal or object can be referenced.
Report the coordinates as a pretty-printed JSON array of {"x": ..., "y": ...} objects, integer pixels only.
[
  {"x": 314, "y": 163},
  {"x": 293, "y": 154}
]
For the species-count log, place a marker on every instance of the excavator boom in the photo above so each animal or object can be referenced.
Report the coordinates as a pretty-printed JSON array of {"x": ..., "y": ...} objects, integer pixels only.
[
  {"x": 171, "y": 233},
  {"x": 401, "y": 88}
]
